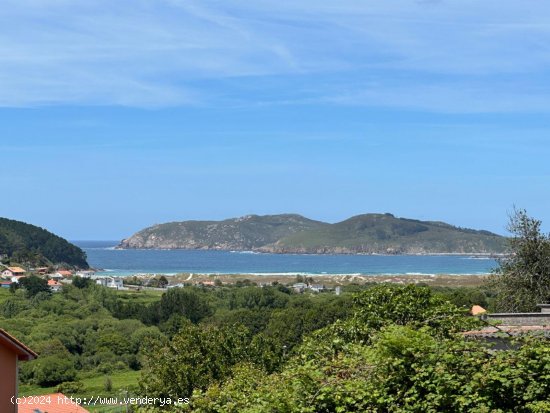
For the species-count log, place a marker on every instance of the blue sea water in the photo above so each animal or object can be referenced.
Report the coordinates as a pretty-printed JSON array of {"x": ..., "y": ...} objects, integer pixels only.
[{"x": 101, "y": 254}]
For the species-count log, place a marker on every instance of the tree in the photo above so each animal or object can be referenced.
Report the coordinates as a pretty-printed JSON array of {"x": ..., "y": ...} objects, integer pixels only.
[
  {"x": 162, "y": 281},
  {"x": 522, "y": 279},
  {"x": 195, "y": 358},
  {"x": 53, "y": 370},
  {"x": 187, "y": 302},
  {"x": 82, "y": 282},
  {"x": 409, "y": 305},
  {"x": 34, "y": 285}
]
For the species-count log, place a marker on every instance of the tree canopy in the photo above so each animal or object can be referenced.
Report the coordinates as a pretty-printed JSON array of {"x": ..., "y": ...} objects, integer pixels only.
[
  {"x": 29, "y": 244},
  {"x": 34, "y": 285},
  {"x": 522, "y": 279}
]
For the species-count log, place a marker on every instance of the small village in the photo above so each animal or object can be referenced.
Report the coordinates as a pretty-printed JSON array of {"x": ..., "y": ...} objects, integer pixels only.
[
  {"x": 56, "y": 278},
  {"x": 11, "y": 275}
]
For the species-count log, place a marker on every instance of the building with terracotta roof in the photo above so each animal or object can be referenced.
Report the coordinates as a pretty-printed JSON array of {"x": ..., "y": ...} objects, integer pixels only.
[
  {"x": 54, "y": 285},
  {"x": 13, "y": 271},
  {"x": 11, "y": 352},
  {"x": 50, "y": 403}
]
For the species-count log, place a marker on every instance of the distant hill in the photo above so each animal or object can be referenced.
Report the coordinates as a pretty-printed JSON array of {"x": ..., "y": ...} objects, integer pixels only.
[
  {"x": 290, "y": 233},
  {"x": 29, "y": 244},
  {"x": 246, "y": 233}
]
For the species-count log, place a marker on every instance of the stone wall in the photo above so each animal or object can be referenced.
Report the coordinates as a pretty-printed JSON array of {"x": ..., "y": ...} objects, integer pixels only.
[{"x": 521, "y": 319}]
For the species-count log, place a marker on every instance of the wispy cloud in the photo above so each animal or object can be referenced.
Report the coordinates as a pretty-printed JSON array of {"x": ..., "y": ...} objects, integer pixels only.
[{"x": 427, "y": 55}]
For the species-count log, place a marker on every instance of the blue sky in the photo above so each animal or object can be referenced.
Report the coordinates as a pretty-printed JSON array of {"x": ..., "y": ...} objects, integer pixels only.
[{"x": 118, "y": 115}]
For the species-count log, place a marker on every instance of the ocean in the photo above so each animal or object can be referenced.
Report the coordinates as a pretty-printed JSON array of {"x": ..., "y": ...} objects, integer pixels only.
[{"x": 101, "y": 254}]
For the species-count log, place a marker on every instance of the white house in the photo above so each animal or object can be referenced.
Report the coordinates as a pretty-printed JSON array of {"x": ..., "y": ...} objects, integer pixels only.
[
  {"x": 85, "y": 274},
  {"x": 13, "y": 271},
  {"x": 299, "y": 287},
  {"x": 54, "y": 285},
  {"x": 317, "y": 287},
  {"x": 111, "y": 282}
]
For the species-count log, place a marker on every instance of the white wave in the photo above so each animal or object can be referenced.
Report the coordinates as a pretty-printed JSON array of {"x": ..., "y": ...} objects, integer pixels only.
[
  {"x": 245, "y": 252},
  {"x": 476, "y": 258},
  {"x": 421, "y": 273}
]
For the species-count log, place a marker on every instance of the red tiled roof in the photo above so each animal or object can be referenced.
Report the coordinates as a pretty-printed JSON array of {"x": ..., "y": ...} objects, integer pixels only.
[
  {"x": 64, "y": 272},
  {"x": 22, "y": 351},
  {"x": 16, "y": 270},
  {"x": 50, "y": 403},
  {"x": 53, "y": 283}
]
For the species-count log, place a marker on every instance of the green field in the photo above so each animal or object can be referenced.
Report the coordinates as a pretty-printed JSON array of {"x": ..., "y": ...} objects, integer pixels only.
[
  {"x": 95, "y": 387},
  {"x": 141, "y": 297}
]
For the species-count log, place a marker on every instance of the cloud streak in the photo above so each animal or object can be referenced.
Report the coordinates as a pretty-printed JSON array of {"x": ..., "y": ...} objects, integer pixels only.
[{"x": 451, "y": 56}]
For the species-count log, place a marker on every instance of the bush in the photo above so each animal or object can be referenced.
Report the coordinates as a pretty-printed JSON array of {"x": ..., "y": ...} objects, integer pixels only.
[
  {"x": 70, "y": 387},
  {"x": 53, "y": 370},
  {"x": 108, "y": 384}
]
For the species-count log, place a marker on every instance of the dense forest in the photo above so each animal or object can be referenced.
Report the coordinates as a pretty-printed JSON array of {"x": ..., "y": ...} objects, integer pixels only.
[{"x": 28, "y": 244}]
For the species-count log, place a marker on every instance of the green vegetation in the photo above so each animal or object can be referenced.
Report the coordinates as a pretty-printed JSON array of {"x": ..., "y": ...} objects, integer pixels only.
[
  {"x": 33, "y": 285},
  {"x": 122, "y": 384},
  {"x": 385, "y": 233},
  {"x": 88, "y": 332},
  {"x": 369, "y": 233},
  {"x": 33, "y": 246},
  {"x": 75, "y": 334},
  {"x": 399, "y": 351},
  {"x": 523, "y": 278}
]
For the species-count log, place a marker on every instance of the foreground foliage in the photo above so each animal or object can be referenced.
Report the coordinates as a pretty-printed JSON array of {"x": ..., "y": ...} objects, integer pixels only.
[
  {"x": 401, "y": 351},
  {"x": 89, "y": 331},
  {"x": 249, "y": 349}
]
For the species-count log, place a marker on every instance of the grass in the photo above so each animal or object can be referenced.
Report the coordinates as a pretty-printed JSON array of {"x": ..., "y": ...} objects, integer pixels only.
[
  {"x": 94, "y": 387},
  {"x": 142, "y": 296}
]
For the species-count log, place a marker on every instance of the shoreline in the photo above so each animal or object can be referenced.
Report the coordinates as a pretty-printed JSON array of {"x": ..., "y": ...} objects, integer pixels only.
[
  {"x": 382, "y": 254},
  {"x": 329, "y": 280}
]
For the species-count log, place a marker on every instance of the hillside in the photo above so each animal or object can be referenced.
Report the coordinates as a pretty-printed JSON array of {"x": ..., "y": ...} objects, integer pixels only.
[
  {"x": 29, "y": 244},
  {"x": 287, "y": 233},
  {"x": 246, "y": 233}
]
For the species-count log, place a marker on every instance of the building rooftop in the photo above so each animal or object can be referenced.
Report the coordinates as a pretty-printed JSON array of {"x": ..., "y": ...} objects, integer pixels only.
[
  {"x": 16, "y": 269},
  {"x": 22, "y": 351},
  {"x": 477, "y": 309},
  {"x": 65, "y": 273},
  {"x": 50, "y": 403}
]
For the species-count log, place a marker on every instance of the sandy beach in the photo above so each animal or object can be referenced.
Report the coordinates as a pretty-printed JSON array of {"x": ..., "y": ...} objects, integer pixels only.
[{"x": 449, "y": 280}]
